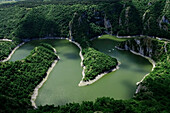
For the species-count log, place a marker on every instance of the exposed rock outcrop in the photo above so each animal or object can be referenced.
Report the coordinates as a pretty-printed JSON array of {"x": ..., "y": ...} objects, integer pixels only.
[
  {"x": 107, "y": 25},
  {"x": 150, "y": 48}
]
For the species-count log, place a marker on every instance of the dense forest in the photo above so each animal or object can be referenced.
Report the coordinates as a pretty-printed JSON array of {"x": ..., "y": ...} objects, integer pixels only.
[
  {"x": 156, "y": 86},
  {"x": 96, "y": 63},
  {"x": 6, "y": 48},
  {"x": 84, "y": 18},
  {"x": 18, "y": 79},
  {"x": 81, "y": 20},
  {"x": 152, "y": 96}
]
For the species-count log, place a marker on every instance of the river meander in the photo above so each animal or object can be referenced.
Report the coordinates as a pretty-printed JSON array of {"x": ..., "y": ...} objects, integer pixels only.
[{"x": 62, "y": 84}]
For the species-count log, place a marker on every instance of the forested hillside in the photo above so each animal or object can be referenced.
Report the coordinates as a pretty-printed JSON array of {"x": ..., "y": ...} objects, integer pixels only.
[
  {"x": 18, "y": 79},
  {"x": 156, "y": 86},
  {"x": 84, "y": 19}
]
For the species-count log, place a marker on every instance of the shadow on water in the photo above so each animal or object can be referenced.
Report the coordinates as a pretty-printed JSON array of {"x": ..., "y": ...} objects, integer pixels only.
[
  {"x": 131, "y": 87},
  {"x": 136, "y": 58},
  {"x": 110, "y": 50},
  {"x": 71, "y": 56},
  {"x": 139, "y": 70},
  {"x": 125, "y": 66}
]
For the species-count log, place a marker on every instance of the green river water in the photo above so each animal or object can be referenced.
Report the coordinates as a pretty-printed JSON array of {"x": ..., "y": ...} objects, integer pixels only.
[{"x": 62, "y": 84}]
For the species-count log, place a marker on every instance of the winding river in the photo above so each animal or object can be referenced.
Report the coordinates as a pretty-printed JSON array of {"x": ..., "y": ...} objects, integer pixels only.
[{"x": 62, "y": 84}]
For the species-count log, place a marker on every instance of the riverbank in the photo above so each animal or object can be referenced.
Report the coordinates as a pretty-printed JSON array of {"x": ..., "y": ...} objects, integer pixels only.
[
  {"x": 82, "y": 83},
  {"x": 13, "y": 51},
  {"x": 159, "y": 38},
  {"x": 85, "y": 83},
  {"x": 61, "y": 38},
  {"x": 35, "y": 93},
  {"x": 6, "y": 40},
  {"x": 82, "y": 58},
  {"x": 153, "y": 66},
  {"x": 25, "y": 40},
  {"x": 150, "y": 60}
]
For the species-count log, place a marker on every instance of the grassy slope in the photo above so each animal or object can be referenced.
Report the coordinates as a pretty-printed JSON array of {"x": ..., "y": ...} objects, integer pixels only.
[{"x": 113, "y": 38}]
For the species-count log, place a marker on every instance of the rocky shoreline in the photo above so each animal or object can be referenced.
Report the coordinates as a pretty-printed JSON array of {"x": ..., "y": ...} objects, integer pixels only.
[
  {"x": 150, "y": 60},
  {"x": 13, "y": 51},
  {"x": 35, "y": 93},
  {"x": 85, "y": 83},
  {"x": 6, "y": 40},
  {"x": 82, "y": 83}
]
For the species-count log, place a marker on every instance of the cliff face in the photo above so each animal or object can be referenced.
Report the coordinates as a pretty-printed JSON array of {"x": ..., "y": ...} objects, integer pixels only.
[
  {"x": 86, "y": 20},
  {"x": 150, "y": 47},
  {"x": 155, "y": 83}
]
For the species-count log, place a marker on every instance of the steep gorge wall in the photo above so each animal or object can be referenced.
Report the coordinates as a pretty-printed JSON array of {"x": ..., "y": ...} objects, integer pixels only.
[
  {"x": 156, "y": 83},
  {"x": 86, "y": 20},
  {"x": 146, "y": 46}
]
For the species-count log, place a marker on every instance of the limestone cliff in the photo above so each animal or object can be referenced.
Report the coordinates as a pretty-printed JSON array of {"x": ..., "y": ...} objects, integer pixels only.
[{"x": 146, "y": 46}]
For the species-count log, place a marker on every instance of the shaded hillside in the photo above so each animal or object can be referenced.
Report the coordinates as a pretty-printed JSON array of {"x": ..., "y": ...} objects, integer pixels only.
[{"x": 85, "y": 18}]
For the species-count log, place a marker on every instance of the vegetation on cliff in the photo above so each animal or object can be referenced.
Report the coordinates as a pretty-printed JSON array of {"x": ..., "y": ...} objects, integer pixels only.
[
  {"x": 155, "y": 87},
  {"x": 84, "y": 19},
  {"x": 147, "y": 46}
]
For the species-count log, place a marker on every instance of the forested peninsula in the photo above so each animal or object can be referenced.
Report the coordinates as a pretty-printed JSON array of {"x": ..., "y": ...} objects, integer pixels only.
[
  {"x": 19, "y": 78},
  {"x": 144, "y": 21}
]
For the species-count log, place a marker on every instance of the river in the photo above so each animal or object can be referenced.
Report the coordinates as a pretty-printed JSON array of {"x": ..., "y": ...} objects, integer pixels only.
[{"x": 62, "y": 84}]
